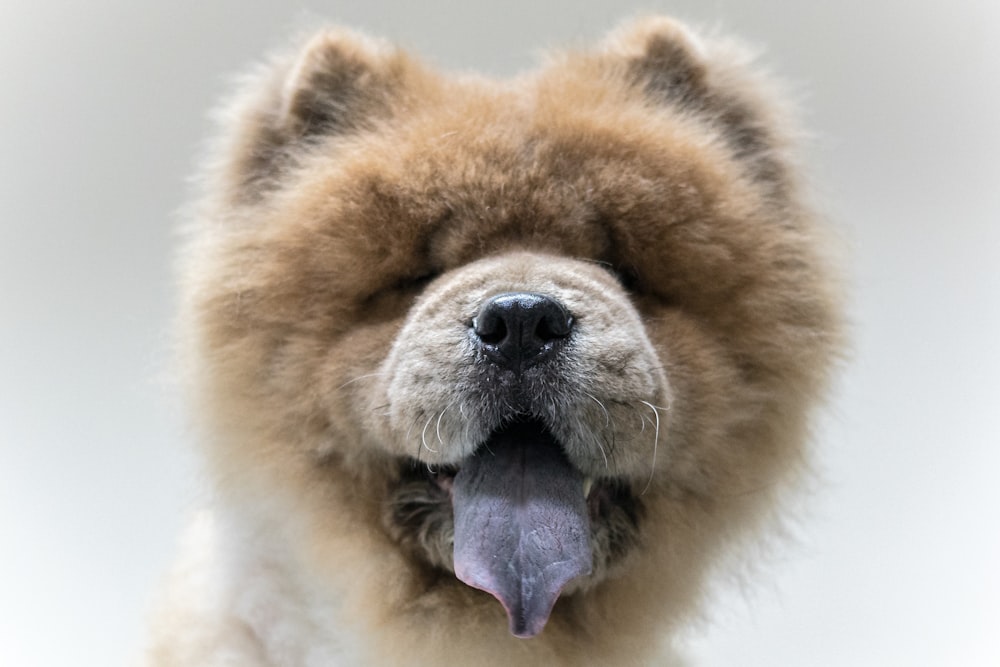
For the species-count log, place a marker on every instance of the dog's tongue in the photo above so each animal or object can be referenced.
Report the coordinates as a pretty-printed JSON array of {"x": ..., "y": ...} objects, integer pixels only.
[{"x": 522, "y": 529}]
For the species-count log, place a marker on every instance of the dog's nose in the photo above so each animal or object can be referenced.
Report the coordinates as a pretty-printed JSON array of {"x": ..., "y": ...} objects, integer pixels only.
[{"x": 520, "y": 329}]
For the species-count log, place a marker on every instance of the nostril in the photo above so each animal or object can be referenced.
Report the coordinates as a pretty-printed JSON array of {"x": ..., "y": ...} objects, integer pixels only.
[
  {"x": 490, "y": 328},
  {"x": 554, "y": 324}
]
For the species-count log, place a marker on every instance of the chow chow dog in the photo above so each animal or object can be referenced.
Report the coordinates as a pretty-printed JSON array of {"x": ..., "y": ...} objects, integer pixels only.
[{"x": 490, "y": 372}]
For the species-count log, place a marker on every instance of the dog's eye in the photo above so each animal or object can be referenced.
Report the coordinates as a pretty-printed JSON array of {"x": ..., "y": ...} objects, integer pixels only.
[
  {"x": 389, "y": 298},
  {"x": 627, "y": 276},
  {"x": 414, "y": 282}
]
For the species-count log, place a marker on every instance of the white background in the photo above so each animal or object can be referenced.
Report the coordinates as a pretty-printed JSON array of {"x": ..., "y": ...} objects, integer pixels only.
[{"x": 102, "y": 111}]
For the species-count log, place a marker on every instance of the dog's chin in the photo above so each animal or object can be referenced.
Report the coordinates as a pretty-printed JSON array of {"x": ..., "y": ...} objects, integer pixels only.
[{"x": 516, "y": 519}]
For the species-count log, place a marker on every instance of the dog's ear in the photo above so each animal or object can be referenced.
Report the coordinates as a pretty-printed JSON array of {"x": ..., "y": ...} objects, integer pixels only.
[
  {"x": 709, "y": 80},
  {"x": 662, "y": 56},
  {"x": 340, "y": 83}
]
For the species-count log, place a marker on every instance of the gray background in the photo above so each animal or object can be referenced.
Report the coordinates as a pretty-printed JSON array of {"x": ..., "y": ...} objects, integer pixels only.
[{"x": 896, "y": 560}]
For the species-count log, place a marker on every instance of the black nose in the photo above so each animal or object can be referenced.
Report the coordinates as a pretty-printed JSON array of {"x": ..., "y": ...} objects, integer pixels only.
[{"x": 519, "y": 329}]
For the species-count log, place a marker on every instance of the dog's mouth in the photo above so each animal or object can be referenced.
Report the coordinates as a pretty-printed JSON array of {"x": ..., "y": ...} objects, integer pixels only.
[
  {"x": 525, "y": 521},
  {"x": 522, "y": 529}
]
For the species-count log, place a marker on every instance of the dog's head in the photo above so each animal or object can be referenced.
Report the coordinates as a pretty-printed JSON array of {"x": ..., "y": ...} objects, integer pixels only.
[{"x": 541, "y": 335}]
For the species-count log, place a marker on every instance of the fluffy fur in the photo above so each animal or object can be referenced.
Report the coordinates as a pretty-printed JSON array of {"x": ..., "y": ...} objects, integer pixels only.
[{"x": 358, "y": 212}]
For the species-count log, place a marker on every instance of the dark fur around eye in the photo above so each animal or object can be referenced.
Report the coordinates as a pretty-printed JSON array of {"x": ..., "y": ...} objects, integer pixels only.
[
  {"x": 627, "y": 276},
  {"x": 415, "y": 282}
]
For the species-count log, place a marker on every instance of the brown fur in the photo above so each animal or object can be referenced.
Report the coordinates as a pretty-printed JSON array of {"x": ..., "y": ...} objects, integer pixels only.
[{"x": 360, "y": 206}]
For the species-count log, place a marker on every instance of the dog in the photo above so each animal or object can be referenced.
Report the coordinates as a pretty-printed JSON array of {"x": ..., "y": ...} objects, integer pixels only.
[{"x": 491, "y": 372}]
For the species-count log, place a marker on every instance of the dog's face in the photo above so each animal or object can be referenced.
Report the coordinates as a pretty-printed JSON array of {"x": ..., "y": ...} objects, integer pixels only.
[
  {"x": 551, "y": 337},
  {"x": 501, "y": 359}
]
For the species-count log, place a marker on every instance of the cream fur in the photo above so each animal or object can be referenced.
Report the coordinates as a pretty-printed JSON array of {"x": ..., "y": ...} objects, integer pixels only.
[{"x": 358, "y": 210}]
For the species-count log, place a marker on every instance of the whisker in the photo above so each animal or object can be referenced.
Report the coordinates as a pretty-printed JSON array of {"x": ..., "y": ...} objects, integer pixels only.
[
  {"x": 437, "y": 428},
  {"x": 416, "y": 455},
  {"x": 603, "y": 455},
  {"x": 656, "y": 442},
  {"x": 607, "y": 424},
  {"x": 360, "y": 377},
  {"x": 423, "y": 435},
  {"x": 410, "y": 430},
  {"x": 591, "y": 260},
  {"x": 607, "y": 417},
  {"x": 465, "y": 426},
  {"x": 613, "y": 444}
]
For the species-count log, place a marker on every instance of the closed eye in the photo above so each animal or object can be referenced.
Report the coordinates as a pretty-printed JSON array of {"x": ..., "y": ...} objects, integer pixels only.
[
  {"x": 627, "y": 276},
  {"x": 415, "y": 282}
]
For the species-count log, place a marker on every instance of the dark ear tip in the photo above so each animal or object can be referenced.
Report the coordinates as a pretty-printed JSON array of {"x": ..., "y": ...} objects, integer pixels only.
[
  {"x": 663, "y": 57},
  {"x": 656, "y": 38},
  {"x": 328, "y": 70},
  {"x": 660, "y": 43}
]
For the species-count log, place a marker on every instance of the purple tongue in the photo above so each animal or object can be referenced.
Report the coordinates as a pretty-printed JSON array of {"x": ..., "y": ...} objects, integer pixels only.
[{"x": 522, "y": 529}]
